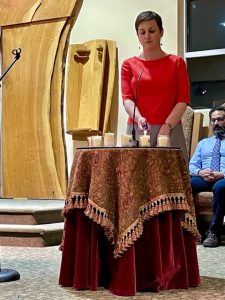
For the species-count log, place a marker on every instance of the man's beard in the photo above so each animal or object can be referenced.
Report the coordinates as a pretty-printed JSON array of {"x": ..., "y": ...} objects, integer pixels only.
[{"x": 219, "y": 131}]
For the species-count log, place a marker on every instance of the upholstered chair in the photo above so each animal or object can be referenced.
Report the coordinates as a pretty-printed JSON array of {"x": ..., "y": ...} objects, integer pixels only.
[{"x": 187, "y": 123}]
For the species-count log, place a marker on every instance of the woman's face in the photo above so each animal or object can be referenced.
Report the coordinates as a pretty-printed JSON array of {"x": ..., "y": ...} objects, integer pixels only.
[{"x": 149, "y": 34}]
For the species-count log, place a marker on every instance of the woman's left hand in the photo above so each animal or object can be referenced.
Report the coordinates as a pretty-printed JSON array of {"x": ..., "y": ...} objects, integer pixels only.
[{"x": 164, "y": 130}]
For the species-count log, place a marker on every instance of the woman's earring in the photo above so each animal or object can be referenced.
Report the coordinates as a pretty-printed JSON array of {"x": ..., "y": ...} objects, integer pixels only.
[{"x": 139, "y": 47}]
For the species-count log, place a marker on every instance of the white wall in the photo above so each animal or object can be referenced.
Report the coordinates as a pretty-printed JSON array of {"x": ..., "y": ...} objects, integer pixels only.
[{"x": 114, "y": 19}]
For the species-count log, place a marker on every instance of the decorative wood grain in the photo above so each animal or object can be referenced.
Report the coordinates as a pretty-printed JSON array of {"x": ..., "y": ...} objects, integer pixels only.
[
  {"x": 88, "y": 65},
  {"x": 90, "y": 87},
  {"x": 33, "y": 148},
  {"x": 196, "y": 131},
  {"x": 109, "y": 84},
  {"x": 17, "y": 12},
  {"x": 51, "y": 9}
]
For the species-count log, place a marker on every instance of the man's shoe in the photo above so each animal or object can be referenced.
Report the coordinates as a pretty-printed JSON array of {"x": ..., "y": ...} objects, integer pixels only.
[{"x": 212, "y": 240}]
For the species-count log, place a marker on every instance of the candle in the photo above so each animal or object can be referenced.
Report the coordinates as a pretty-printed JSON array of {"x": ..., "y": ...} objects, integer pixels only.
[
  {"x": 89, "y": 141},
  {"x": 109, "y": 139},
  {"x": 96, "y": 141},
  {"x": 144, "y": 140},
  {"x": 126, "y": 140},
  {"x": 163, "y": 141}
]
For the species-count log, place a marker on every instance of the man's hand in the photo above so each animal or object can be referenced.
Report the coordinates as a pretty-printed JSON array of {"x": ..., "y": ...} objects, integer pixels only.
[
  {"x": 210, "y": 176},
  {"x": 218, "y": 175},
  {"x": 207, "y": 175}
]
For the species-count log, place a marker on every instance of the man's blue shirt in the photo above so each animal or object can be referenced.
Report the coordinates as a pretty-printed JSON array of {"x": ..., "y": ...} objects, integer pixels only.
[{"x": 202, "y": 156}]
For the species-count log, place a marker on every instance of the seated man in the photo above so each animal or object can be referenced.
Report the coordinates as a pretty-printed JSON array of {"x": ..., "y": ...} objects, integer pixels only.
[{"x": 207, "y": 169}]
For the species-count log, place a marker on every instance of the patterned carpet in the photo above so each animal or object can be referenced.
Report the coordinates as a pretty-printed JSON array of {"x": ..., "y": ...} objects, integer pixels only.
[{"x": 39, "y": 271}]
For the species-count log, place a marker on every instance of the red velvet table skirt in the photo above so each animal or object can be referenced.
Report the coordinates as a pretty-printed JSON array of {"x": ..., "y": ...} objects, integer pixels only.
[{"x": 164, "y": 257}]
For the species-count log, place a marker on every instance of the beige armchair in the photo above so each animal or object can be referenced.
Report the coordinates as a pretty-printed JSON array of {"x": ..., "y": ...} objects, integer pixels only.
[
  {"x": 187, "y": 123},
  {"x": 203, "y": 203}
]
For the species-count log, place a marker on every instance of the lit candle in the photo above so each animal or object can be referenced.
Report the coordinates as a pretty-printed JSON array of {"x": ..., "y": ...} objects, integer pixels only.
[
  {"x": 126, "y": 140},
  {"x": 144, "y": 140},
  {"x": 109, "y": 139},
  {"x": 163, "y": 141},
  {"x": 96, "y": 141}
]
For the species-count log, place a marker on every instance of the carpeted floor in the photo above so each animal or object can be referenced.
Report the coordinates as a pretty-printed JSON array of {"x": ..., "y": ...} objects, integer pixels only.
[{"x": 39, "y": 271}]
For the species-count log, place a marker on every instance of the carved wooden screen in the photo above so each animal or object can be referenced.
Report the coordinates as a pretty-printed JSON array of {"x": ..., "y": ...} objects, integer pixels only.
[{"x": 91, "y": 87}]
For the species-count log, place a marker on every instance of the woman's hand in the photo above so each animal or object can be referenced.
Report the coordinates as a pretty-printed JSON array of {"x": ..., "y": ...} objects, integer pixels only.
[
  {"x": 164, "y": 130},
  {"x": 142, "y": 123}
]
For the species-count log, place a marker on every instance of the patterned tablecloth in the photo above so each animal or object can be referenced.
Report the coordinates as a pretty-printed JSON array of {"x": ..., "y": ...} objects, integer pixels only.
[{"x": 120, "y": 188}]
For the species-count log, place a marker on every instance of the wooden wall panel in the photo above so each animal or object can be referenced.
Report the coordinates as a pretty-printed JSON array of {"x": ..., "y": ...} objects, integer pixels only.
[
  {"x": 22, "y": 11},
  {"x": 33, "y": 148},
  {"x": 27, "y": 140},
  {"x": 56, "y": 111},
  {"x": 87, "y": 61},
  {"x": 17, "y": 12},
  {"x": 90, "y": 87},
  {"x": 109, "y": 84},
  {"x": 51, "y": 9},
  {"x": 197, "y": 131}
]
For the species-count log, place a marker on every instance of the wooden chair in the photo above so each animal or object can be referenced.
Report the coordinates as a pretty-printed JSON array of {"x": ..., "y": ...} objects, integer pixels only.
[
  {"x": 193, "y": 131},
  {"x": 192, "y": 123}
]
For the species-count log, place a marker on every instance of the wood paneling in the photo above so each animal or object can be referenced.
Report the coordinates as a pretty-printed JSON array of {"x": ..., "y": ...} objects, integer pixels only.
[
  {"x": 17, "y": 12},
  {"x": 33, "y": 148},
  {"x": 197, "y": 131},
  {"x": 90, "y": 87}
]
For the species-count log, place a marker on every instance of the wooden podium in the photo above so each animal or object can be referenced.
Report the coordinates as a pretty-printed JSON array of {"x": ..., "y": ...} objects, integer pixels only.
[{"x": 33, "y": 150}]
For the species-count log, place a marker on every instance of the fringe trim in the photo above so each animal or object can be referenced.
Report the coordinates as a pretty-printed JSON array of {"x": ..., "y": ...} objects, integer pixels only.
[
  {"x": 100, "y": 216},
  {"x": 129, "y": 237},
  {"x": 75, "y": 200},
  {"x": 189, "y": 224},
  {"x": 163, "y": 203},
  {"x": 61, "y": 246},
  {"x": 152, "y": 208}
]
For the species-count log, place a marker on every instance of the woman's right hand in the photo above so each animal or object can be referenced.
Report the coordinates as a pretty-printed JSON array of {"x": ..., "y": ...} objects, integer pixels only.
[{"x": 143, "y": 124}]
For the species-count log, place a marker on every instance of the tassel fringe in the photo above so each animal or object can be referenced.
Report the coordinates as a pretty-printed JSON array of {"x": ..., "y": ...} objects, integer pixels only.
[{"x": 147, "y": 211}]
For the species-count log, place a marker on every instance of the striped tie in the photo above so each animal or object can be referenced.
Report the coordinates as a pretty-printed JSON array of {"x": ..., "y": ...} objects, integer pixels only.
[{"x": 215, "y": 162}]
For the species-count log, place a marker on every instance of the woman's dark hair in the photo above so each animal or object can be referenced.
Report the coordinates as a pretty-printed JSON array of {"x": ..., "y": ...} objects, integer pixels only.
[
  {"x": 219, "y": 108},
  {"x": 147, "y": 16}
]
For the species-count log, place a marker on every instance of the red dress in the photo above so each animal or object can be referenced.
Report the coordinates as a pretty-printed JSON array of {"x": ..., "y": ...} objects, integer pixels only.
[{"x": 162, "y": 84}]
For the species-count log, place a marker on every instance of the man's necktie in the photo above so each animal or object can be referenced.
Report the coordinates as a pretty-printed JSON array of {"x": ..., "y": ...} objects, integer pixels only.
[{"x": 215, "y": 162}]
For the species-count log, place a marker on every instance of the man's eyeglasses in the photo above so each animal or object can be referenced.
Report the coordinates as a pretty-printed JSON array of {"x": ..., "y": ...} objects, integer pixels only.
[{"x": 219, "y": 119}]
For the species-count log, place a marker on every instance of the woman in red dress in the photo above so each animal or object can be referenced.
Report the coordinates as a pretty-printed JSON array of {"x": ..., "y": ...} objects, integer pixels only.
[{"x": 158, "y": 82}]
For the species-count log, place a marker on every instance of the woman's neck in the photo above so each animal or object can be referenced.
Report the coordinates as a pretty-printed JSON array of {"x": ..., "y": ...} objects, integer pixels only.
[{"x": 152, "y": 55}]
